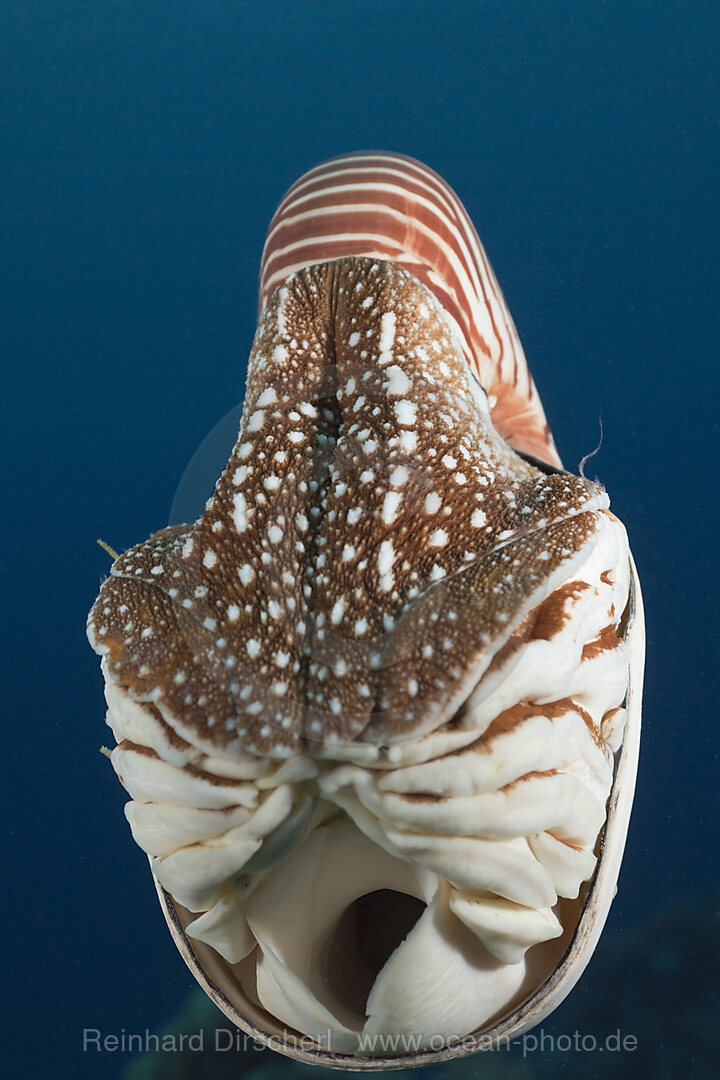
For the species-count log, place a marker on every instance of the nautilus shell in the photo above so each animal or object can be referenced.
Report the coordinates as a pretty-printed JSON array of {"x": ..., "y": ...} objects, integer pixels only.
[{"x": 378, "y": 708}]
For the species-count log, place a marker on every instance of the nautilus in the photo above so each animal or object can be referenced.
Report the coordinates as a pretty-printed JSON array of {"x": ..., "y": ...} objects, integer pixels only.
[{"x": 378, "y": 708}]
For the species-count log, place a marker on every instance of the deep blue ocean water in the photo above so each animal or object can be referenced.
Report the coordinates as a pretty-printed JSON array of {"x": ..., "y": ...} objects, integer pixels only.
[{"x": 144, "y": 148}]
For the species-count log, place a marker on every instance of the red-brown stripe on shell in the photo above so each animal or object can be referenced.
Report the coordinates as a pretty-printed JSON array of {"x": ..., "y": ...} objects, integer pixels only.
[
  {"x": 392, "y": 207},
  {"x": 370, "y": 546}
]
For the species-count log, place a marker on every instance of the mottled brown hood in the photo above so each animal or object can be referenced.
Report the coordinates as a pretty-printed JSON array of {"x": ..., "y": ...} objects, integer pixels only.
[{"x": 369, "y": 547}]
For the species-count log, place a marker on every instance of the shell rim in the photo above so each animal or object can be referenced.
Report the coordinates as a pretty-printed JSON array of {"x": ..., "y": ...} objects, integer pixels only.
[{"x": 600, "y": 894}]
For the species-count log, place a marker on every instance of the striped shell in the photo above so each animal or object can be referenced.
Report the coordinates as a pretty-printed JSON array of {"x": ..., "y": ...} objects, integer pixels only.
[
  {"x": 378, "y": 708},
  {"x": 388, "y": 206}
]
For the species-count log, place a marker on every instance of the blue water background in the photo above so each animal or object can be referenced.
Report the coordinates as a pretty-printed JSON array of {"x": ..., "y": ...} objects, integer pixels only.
[{"x": 144, "y": 148}]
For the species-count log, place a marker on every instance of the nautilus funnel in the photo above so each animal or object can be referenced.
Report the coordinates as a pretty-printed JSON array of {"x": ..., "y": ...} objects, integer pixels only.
[{"x": 378, "y": 708}]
